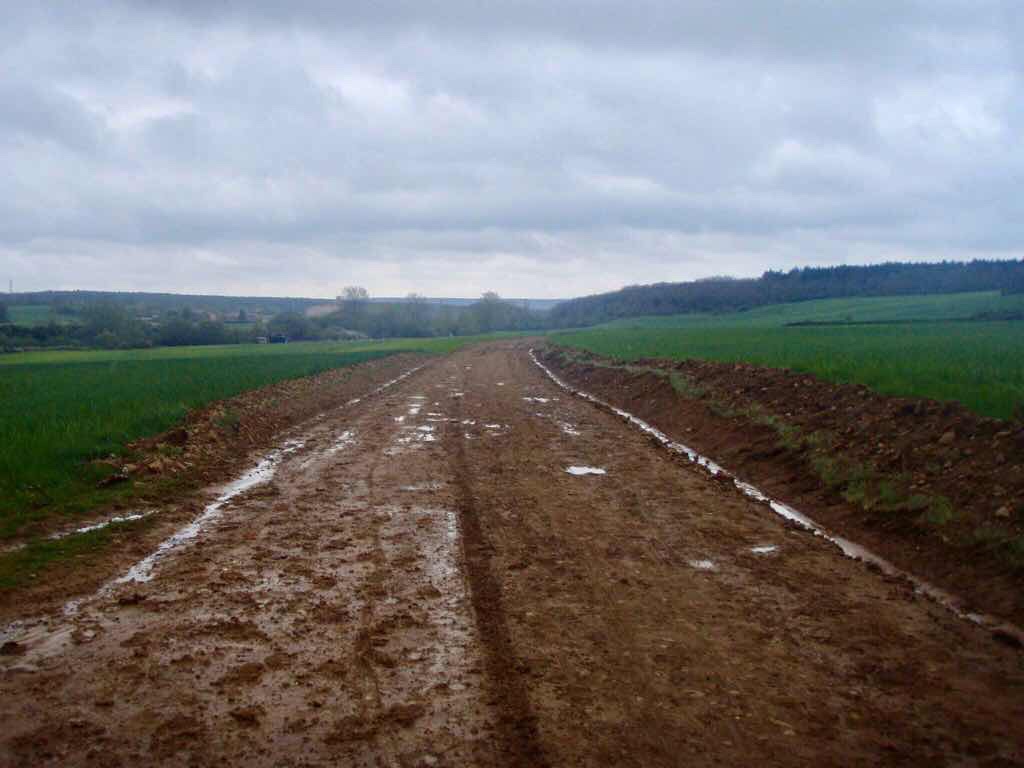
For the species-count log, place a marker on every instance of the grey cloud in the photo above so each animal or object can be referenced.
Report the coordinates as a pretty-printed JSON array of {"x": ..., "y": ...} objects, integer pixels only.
[{"x": 462, "y": 145}]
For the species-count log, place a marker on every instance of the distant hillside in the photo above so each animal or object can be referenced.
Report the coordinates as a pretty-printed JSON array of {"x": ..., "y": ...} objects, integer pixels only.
[
  {"x": 163, "y": 302},
  {"x": 270, "y": 305},
  {"x": 536, "y": 305},
  {"x": 728, "y": 295}
]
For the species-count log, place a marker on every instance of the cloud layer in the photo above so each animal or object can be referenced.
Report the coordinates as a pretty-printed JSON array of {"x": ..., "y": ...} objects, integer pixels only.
[{"x": 533, "y": 148}]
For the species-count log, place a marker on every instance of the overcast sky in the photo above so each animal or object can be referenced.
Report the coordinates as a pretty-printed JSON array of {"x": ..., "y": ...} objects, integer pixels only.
[{"x": 546, "y": 148}]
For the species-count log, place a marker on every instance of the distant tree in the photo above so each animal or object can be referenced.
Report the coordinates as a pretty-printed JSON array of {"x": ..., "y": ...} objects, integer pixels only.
[
  {"x": 294, "y": 325},
  {"x": 417, "y": 313},
  {"x": 242, "y": 316},
  {"x": 352, "y": 302},
  {"x": 4, "y": 316}
]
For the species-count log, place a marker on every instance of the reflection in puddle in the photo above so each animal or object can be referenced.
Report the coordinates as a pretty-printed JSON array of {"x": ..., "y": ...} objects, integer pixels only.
[
  {"x": 539, "y": 399},
  {"x": 703, "y": 565},
  {"x": 765, "y": 550},
  {"x": 847, "y": 547},
  {"x": 585, "y": 471}
]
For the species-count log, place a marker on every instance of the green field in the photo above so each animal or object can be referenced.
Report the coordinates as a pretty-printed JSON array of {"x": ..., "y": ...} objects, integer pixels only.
[
  {"x": 62, "y": 409},
  {"x": 980, "y": 364},
  {"x": 954, "y": 306}
]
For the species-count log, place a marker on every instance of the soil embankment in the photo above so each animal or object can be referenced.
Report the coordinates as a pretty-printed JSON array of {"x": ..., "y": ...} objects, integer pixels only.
[
  {"x": 420, "y": 581},
  {"x": 930, "y": 486}
]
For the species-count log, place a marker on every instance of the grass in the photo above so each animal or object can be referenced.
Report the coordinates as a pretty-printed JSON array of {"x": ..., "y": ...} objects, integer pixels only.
[
  {"x": 62, "y": 410},
  {"x": 980, "y": 364}
]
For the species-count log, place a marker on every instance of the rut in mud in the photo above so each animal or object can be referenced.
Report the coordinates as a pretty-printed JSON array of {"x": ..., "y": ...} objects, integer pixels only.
[{"x": 425, "y": 580}]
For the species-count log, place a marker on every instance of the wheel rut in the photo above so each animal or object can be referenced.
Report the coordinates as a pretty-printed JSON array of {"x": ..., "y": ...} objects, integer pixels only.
[{"x": 516, "y": 717}]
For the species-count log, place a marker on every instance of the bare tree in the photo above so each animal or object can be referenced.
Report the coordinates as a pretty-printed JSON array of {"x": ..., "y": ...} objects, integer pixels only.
[{"x": 353, "y": 301}]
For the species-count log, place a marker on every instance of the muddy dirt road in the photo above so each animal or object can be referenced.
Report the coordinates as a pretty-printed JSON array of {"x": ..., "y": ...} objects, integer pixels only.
[{"x": 417, "y": 579}]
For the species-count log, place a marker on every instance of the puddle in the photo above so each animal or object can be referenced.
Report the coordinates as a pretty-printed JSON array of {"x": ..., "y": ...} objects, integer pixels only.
[
  {"x": 142, "y": 571},
  {"x": 849, "y": 548},
  {"x": 456, "y": 394},
  {"x": 501, "y": 383},
  {"x": 103, "y": 524},
  {"x": 399, "y": 419},
  {"x": 703, "y": 565},
  {"x": 466, "y": 422},
  {"x": 344, "y": 440},
  {"x": 568, "y": 429},
  {"x": 538, "y": 399},
  {"x": 765, "y": 550},
  {"x": 585, "y": 471}
]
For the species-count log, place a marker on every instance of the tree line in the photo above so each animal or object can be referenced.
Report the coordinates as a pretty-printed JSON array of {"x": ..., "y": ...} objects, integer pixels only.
[
  {"x": 728, "y": 294},
  {"x": 118, "y": 325}
]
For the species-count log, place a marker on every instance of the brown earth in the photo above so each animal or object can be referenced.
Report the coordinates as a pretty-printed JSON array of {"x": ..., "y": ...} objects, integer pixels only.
[
  {"x": 422, "y": 583},
  {"x": 171, "y": 473},
  {"x": 756, "y": 421}
]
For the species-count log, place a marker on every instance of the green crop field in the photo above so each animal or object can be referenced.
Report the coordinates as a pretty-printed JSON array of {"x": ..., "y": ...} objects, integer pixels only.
[
  {"x": 980, "y": 364},
  {"x": 62, "y": 409},
  {"x": 954, "y": 306}
]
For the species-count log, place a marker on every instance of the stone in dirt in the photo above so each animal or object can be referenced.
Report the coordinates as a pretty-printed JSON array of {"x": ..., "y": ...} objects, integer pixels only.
[{"x": 11, "y": 648}]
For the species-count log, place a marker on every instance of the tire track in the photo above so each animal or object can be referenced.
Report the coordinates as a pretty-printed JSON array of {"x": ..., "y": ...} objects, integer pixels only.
[{"x": 516, "y": 719}]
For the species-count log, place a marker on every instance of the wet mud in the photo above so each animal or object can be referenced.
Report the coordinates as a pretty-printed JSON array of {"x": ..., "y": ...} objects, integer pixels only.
[
  {"x": 393, "y": 593},
  {"x": 922, "y": 449}
]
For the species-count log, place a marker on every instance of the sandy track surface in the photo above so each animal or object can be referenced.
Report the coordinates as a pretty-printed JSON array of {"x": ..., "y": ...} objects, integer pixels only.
[{"x": 417, "y": 580}]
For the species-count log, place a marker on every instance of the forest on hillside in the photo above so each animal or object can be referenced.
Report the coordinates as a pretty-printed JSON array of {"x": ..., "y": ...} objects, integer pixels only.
[{"x": 726, "y": 294}]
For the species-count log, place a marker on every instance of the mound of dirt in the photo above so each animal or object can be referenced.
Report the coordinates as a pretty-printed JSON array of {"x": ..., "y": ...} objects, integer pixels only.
[{"x": 934, "y": 488}]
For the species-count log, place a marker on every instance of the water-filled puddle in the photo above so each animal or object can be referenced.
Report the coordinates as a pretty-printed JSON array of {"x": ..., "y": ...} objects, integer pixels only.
[
  {"x": 703, "y": 565},
  {"x": 103, "y": 524},
  {"x": 765, "y": 550},
  {"x": 538, "y": 399},
  {"x": 574, "y": 470}
]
